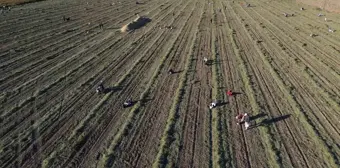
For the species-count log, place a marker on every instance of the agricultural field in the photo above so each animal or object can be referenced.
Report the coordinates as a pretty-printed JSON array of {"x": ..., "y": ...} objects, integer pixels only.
[{"x": 284, "y": 71}]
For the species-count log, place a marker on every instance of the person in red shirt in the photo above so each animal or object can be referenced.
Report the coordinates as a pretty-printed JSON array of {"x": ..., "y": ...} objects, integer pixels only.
[{"x": 229, "y": 93}]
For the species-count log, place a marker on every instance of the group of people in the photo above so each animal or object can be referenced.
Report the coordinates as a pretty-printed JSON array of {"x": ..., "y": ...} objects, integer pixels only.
[
  {"x": 4, "y": 9},
  {"x": 240, "y": 118},
  {"x": 319, "y": 15}
]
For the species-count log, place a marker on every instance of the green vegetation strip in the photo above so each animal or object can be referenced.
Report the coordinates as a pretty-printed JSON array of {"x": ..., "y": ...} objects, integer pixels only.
[
  {"x": 264, "y": 131},
  {"x": 169, "y": 137},
  {"x": 217, "y": 145}
]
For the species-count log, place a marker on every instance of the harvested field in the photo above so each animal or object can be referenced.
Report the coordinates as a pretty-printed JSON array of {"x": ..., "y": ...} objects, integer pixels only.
[
  {"x": 53, "y": 55},
  {"x": 16, "y": 2}
]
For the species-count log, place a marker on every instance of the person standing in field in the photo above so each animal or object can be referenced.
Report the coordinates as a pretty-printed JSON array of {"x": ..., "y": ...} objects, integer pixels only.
[
  {"x": 243, "y": 117},
  {"x": 239, "y": 118},
  {"x": 171, "y": 71},
  {"x": 100, "y": 88},
  {"x": 229, "y": 93},
  {"x": 246, "y": 120},
  {"x": 205, "y": 59},
  {"x": 213, "y": 104}
]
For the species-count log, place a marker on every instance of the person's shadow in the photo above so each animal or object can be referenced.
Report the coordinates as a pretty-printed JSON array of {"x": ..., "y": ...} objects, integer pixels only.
[
  {"x": 144, "y": 101},
  {"x": 209, "y": 62},
  {"x": 176, "y": 72},
  {"x": 218, "y": 104},
  {"x": 268, "y": 121},
  {"x": 236, "y": 93},
  {"x": 257, "y": 116},
  {"x": 112, "y": 89}
]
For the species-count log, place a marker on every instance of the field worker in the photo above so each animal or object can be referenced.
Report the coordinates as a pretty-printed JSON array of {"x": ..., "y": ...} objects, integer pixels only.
[
  {"x": 171, "y": 71},
  {"x": 127, "y": 103},
  {"x": 246, "y": 120},
  {"x": 330, "y": 30},
  {"x": 205, "y": 59},
  {"x": 212, "y": 105},
  {"x": 229, "y": 93},
  {"x": 100, "y": 87},
  {"x": 239, "y": 118},
  {"x": 66, "y": 18}
]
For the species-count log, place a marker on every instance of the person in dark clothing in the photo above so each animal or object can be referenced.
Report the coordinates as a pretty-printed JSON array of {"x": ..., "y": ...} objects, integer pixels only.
[
  {"x": 100, "y": 88},
  {"x": 128, "y": 103},
  {"x": 171, "y": 71}
]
